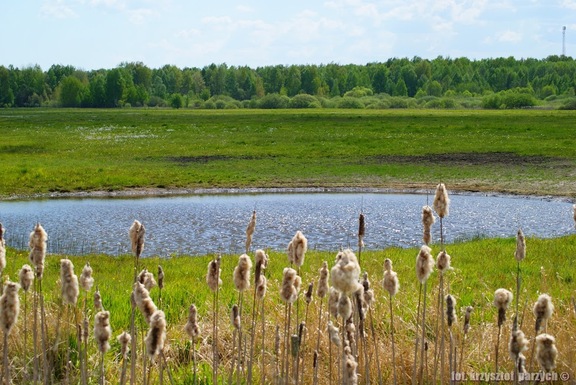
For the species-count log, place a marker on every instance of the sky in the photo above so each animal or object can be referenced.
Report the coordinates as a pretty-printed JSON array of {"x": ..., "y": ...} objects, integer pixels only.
[{"x": 93, "y": 34}]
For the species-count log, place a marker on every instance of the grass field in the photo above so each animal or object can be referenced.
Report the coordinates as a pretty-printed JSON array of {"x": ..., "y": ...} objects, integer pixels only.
[{"x": 524, "y": 151}]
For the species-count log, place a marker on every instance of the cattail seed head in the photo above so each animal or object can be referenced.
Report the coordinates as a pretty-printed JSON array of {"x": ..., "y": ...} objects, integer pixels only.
[
  {"x": 235, "y": 317},
  {"x": 86, "y": 279},
  {"x": 518, "y": 344},
  {"x": 322, "y": 289},
  {"x": 250, "y": 231},
  {"x": 297, "y": 249},
  {"x": 467, "y": 316},
  {"x": 85, "y": 329},
  {"x": 441, "y": 201},
  {"x": 136, "y": 233},
  {"x": 333, "y": 333},
  {"x": 277, "y": 341},
  {"x": 9, "y": 306},
  {"x": 143, "y": 301},
  {"x": 290, "y": 285},
  {"x": 102, "y": 330},
  {"x": 333, "y": 297},
  {"x": 156, "y": 334},
  {"x": 26, "y": 276},
  {"x": 213, "y": 276},
  {"x": 242, "y": 273},
  {"x": 345, "y": 274},
  {"x": 368, "y": 293},
  {"x": 428, "y": 220},
  {"x": 344, "y": 307},
  {"x": 520, "y": 252},
  {"x": 450, "y": 312},
  {"x": 543, "y": 309},
  {"x": 351, "y": 375},
  {"x": 424, "y": 264},
  {"x": 308, "y": 295},
  {"x": 502, "y": 298},
  {"x": 191, "y": 328},
  {"x": 546, "y": 352},
  {"x": 361, "y": 230},
  {"x": 124, "y": 339},
  {"x": 69, "y": 280},
  {"x": 262, "y": 257},
  {"x": 390, "y": 282},
  {"x": 146, "y": 278},
  {"x": 98, "y": 300},
  {"x": 261, "y": 287},
  {"x": 160, "y": 277},
  {"x": 37, "y": 243},
  {"x": 443, "y": 262}
]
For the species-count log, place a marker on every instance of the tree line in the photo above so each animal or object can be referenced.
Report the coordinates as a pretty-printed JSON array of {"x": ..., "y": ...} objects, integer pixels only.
[{"x": 507, "y": 82}]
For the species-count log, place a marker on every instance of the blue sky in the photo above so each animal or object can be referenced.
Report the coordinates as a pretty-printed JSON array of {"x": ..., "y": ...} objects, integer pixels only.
[{"x": 92, "y": 34}]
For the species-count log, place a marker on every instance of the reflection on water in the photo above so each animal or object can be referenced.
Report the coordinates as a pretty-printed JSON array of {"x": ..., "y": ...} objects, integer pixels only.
[{"x": 203, "y": 224}]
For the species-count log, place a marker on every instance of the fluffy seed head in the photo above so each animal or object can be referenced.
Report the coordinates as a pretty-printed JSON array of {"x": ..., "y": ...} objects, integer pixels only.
[
  {"x": 213, "y": 276},
  {"x": 9, "y": 306},
  {"x": 351, "y": 375},
  {"x": 156, "y": 334},
  {"x": 290, "y": 285},
  {"x": 262, "y": 257},
  {"x": 136, "y": 233},
  {"x": 124, "y": 339},
  {"x": 26, "y": 276},
  {"x": 143, "y": 301},
  {"x": 323, "y": 281},
  {"x": 235, "y": 317},
  {"x": 86, "y": 279},
  {"x": 467, "y": 318},
  {"x": 297, "y": 249},
  {"x": 368, "y": 293},
  {"x": 502, "y": 298},
  {"x": 102, "y": 330},
  {"x": 261, "y": 287},
  {"x": 441, "y": 201},
  {"x": 520, "y": 252},
  {"x": 333, "y": 297},
  {"x": 191, "y": 328},
  {"x": 344, "y": 307},
  {"x": 308, "y": 295},
  {"x": 242, "y": 273},
  {"x": 250, "y": 230},
  {"x": 37, "y": 244},
  {"x": 333, "y": 333},
  {"x": 390, "y": 282},
  {"x": 97, "y": 300},
  {"x": 428, "y": 220},
  {"x": 546, "y": 352},
  {"x": 361, "y": 230},
  {"x": 160, "y": 277},
  {"x": 424, "y": 264},
  {"x": 543, "y": 309},
  {"x": 146, "y": 278},
  {"x": 69, "y": 280},
  {"x": 450, "y": 312},
  {"x": 345, "y": 273},
  {"x": 443, "y": 262},
  {"x": 518, "y": 344}
]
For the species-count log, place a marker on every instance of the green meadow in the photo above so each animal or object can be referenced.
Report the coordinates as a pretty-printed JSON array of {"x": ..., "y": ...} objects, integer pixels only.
[{"x": 70, "y": 150}]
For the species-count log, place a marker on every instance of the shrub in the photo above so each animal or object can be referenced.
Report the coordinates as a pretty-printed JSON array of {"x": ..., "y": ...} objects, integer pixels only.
[
  {"x": 274, "y": 101},
  {"x": 302, "y": 101},
  {"x": 348, "y": 102},
  {"x": 569, "y": 105},
  {"x": 358, "y": 92}
]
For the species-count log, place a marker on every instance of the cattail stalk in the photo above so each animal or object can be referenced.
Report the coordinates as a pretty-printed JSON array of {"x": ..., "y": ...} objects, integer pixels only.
[
  {"x": 9, "y": 309},
  {"x": 321, "y": 292},
  {"x": 291, "y": 282},
  {"x": 443, "y": 265},
  {"x": 543, "y": 309},
  {"x": 136, "y": 233},
  {"x": 124, "y": 339},
  {"x": 191, "y": 328},
  {"x": 361, "y": 234},
  {"x": 391, "y": 285},
  {"x": 451, "y": 318},
  {"x": 242, "y": 283},
  {"x": 213, "y": 280},
  {"x": 466, "y": 328},
  {"x": 424, "y": 266},
  {"x": 502, "y": 299},
  {"x": 26, "y": 276},
  {"x": 86, "y": 282},
  {"x": 260, "y": 258},
  {"x": 102, "y": 334},
  {"x": 302, "y": 335},
  {"x": 250, "y": 231}
]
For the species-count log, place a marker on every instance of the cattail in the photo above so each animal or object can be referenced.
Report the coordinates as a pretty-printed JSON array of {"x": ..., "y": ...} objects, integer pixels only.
[
  {"x": 124, "y": 340},
  {"x": 297, "y": 249},
  {"x": 250, "y": 230},
  {"x": 70, "y": 289},
  {"x": 242, "y": 273},
  {"x": 345, "y": 274},
  {"x": 160, "y": 277},
  {"x": 9, "y": 306},
  {"x": 443, "y": 262},
  {"x": 467, "y": 316},
  {"x": 428, "y": 220},
  {"x": 213, "y": 276},
  {"x": 390, "y": 282},
  {"x": 543, "y": 309},
  {"x": 290, "y": 285},
  {"x": 26, "y": 276},
  {"x": 350, "y": 364},
  {"x": 546, "y": 352},
  {"x": 86, "y": 279},
  {"x": 37, "y": 256},
  {"x": 518, "y": 344},
  {"x": 441, "y": 201},
  {"x": 368, "y": 292},
  {"x": 146, "y": 278},
  {"x": 156, "y": 335},
  {"x": 262, "y": 257},
  {"x": 322, "y": 289},
  {"x": 143, "y": 301},
  {"x": 502, "y": 298},
  {"x": 102, "y": 330},
  {"x": 235, "y": 317},
  {"x": 2, "y": 249},
  {"x": 334, "y": 334},
  {"x": 333, "y": 297},
  {"x": 97, "y": 300},
  {"x": 520, "y": 252},
  {"x": 191, "y": 328},
  {"x": 361, "y": 230},
  {"x": 521, "y": 363},
  {"x": 574, "y": 210},
  {"x": 136, "y": 233},
  {"x": 344, "y": 307},
  {"x": 450, "y": 313},
  {"x": 261, "y": 287},
  {"x": 424, "y": 264},
  {"x": 308, "y": 294}
]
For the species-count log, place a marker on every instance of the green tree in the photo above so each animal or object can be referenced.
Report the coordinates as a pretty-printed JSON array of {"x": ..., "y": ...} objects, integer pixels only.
[
  {"x": 114, "y": 88},
  {"x": 400, "y": 89},
  {"x": 71, "y": 92},
  {"x": 176, "y": 101},
  {"x": 6, "y": 94}
]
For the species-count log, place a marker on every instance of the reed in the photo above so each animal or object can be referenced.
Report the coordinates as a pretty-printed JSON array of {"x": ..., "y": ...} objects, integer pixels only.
[
  {"x": 124, "y": 340},
  {"x": 102, "y": 334},
  {"x": 392, "y": 286},
  {"x": 214, "y": 282},
  {"x": 9, "y": 310},
  {"x": 192, "y": 329},
  {"x": 321, "y": 291},
  {"x": 424, "y": 267},
  {"x": 502, "y": 299},
  {"x": 26, "y": 276},
  {"x": 136, "y": 233}
]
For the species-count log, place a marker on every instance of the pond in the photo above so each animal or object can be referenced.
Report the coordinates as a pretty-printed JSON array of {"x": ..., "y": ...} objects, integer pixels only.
[{"x": 200, "y": 224}]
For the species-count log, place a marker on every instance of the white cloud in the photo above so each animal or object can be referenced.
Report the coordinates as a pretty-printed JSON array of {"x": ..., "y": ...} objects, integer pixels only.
[
  {"x": 510, "y": 37},
  {"x": 569, "y": 4},
  {"x": 57, "y": 9},
  {"x": 139, "y": 16}
]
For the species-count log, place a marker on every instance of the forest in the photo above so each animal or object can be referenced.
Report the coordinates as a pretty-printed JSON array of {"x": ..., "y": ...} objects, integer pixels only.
[{"x": 442, "y": 82}]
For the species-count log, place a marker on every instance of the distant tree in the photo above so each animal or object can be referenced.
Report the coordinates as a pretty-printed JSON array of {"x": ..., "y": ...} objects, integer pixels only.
[
  {"x": 114, "y": 88},
  {"x": 98, "y": 90},
  {"x": 176, "y": 101},
  {"x": 71, "y": 92},
  {"x": 401, "y": 89},
  {"x": 6, "y": 94}
]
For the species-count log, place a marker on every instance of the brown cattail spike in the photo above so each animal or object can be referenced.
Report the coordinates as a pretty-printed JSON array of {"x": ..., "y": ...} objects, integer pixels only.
[
  {"x": 546, "y": 352},
  {"x": 308, "y": 295},
  {"x": 9, "y": 306},
  {"x": 427, "y": 221},
  {"x": 467, "y": 316},
  {"x": 102, "y": 330},
  {"x": 86, "y": 279},
  {"x": 502, "y": 299},
  {"x": 520, "y": 252},
  {"x": 156, "y": 334},
  {"x": 322, "y": 289},
  {"x": 518, "y": 344},
  {"x": 290, "y": 285},
  {"x": 441, "y": 201},
  {"x": 450, "y": 312},
  {"x": 213, "y": 276},
  {"x": 124, "y": 339},
  {"x": 37, "y": 256},
  {"x": 136, "y": 233},
  {"x": 160, "y": 277},
  {"x": 26, "y": 276},
  {"x": 424, "y": 264},
  {"x": 242, "y": 273},
  {"x": 345, "y": 274},
  {"x": 191, "y": 328},
  {"x": 250, "y": 231},
  {"x": 543, "y": 309},
  {"x": 361, "y": 230}
]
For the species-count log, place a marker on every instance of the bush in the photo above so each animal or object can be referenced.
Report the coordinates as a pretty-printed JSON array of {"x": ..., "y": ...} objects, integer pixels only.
[
  {"x": 302, "y": 101},
  {"x": 209, "y": 105},
  {"x": 274, "y": 101},
  {"x": 358, "y": 92},
  {"x": 348, "y": 102},
  {"x": 156, "y": 101},
  {"x": 569, "y": 105}
]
